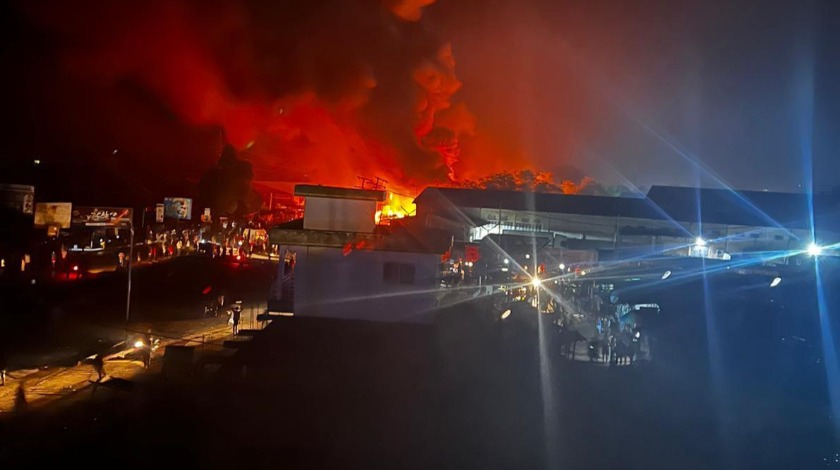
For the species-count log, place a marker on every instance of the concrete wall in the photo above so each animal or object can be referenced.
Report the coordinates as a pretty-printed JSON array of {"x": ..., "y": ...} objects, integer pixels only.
[{"x": 356, "y": 286}]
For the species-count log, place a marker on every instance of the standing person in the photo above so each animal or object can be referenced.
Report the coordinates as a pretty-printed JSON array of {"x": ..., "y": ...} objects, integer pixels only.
[
  {"x": 99, "y": 366},
  {"x": 146, "y": 350},
  {"x": 220, "y": 301},
  {"x": 237, "y": 314},
  {"x": 3, "y": 366},
  {"x": 613, "y": 357},
  {"x": 20, "y": 398}
]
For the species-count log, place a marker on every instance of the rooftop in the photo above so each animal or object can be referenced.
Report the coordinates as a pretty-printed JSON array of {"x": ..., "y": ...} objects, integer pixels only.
[
  {"x": 309, "y": 190},
  {"x": 681, "y": 204}
]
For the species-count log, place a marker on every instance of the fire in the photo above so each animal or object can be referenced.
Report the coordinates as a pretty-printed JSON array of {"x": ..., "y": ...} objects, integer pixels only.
[{"x": 397, "y": 206}]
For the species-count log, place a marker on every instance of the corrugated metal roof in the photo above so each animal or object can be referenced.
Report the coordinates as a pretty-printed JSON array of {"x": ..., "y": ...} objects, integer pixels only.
[
  {"x": 540, "y": 202},
  {"x": 310, "y": 190},
  {"x": 681, "y": 204}
]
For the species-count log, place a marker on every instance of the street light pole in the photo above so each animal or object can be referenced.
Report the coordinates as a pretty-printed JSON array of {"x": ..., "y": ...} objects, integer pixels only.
[{"x": 130, "y": 264}]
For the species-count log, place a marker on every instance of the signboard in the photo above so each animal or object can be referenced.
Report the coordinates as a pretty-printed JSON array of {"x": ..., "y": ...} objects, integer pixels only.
[
  {"x": 206, "y": 217},
  {"x": 56, "y": 214},
  {"x": 19, "y": 197},
  {"x": 178, "y": 208},
  {"x": 471, "y": 253},
  {"x": 159, "y": 213},
  {"x": 102, "y": 216}
]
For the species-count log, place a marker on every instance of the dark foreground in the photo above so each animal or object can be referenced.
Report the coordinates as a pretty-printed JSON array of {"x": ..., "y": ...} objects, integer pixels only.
[
  {"x": 62, "y": 321},
  {"x": 317, "y": 393}
]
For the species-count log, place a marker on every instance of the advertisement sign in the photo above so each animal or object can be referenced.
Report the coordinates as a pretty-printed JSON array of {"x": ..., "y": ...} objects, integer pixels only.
[
  {"x": 178, "y": 208},
  {"x": 206, "y": 217},
  {"x": 472, "y": 253},
  {"x": 102, "y": 216},
  {"x": 19, "y": 197},
  {"x": 53, "y": 214},
  {"x": 159, "y": 213}
]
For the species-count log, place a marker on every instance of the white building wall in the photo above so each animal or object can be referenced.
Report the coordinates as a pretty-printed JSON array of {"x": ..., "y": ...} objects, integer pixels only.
[
  {"x": 355, "y": 286},
  {"x": 342, "y": 215}
]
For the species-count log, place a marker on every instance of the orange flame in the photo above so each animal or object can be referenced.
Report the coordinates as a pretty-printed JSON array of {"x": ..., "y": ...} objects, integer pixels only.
[{"x": 397, "y": 206}]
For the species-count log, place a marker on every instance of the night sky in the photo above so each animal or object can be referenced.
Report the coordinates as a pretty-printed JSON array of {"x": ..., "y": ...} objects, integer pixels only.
[{"x": 623, "y": 91}]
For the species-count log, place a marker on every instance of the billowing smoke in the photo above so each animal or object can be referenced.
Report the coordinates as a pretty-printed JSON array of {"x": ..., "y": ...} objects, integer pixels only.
[
  {"x": 307, "y": 90},
  {"x": 409, "y": 10}
]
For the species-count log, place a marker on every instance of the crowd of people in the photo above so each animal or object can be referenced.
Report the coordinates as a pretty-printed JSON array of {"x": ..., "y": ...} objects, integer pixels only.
[{"x": 613, "y": 337}]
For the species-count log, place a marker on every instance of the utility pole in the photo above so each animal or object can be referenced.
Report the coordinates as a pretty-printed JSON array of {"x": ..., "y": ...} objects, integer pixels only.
[{"x": 130, "y": 265}]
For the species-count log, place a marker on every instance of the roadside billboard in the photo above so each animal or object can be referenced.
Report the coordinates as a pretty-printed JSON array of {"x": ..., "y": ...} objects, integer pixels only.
[
  {"x": 178, "y": 208},
  {"x": 19, "y": 197},
  {"x": 102, "y": 216},
  {"x": 53, "y": 214},
  {"x": 159, "y": 212}
]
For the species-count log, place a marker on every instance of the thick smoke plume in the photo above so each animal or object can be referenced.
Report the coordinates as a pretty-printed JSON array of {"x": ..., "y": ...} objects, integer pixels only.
[{"x": 307, "y": 90}]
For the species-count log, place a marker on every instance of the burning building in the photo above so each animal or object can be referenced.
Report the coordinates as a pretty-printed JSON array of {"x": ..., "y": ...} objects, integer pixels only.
[{"x": 338, "y": 263}]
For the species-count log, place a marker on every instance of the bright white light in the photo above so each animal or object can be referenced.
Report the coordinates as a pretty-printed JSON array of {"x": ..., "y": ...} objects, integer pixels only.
[
  {"x": 536, "y": 282},
  {"x": 583, "y": 273},
  {"x": 814, "y": 249},
  {"x": 36, "y": 162},
  {"x": 699, "y": 241},
  {"x": 562, "y": 266},
  {"x": 775, "y": 282},
  {"x": 506, "y": 261},
  {"x": 666, "y": 275},
  {"x": 505, "y": 314},
  {"x": 527, "y": 256},
  {"x": 504, "y": 270},
  {"x": 138, "y": 344}
]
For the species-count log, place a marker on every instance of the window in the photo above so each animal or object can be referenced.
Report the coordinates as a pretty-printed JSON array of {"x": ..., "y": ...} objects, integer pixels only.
[{"x": 398, "y": 273}]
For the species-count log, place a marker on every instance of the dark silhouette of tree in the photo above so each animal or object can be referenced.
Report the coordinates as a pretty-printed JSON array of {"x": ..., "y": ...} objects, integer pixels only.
[
  {"x": 226, "y": 187},
  {"x": 543, "y": 182}
]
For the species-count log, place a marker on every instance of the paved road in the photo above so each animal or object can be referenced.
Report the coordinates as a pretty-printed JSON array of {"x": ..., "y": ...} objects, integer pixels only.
[
  {"x": 58, "y": 326},
  {"x": 50, "y": 386},
  {"x": 61, "y": 323}
]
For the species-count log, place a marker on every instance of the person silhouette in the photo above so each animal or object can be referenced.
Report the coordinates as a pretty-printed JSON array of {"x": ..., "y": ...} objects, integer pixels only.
[
  {"x": 20, "y": 398},
  {"x": 99, "y": 366}
]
